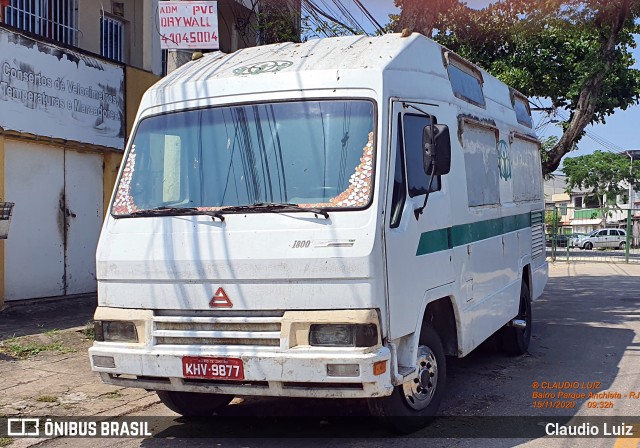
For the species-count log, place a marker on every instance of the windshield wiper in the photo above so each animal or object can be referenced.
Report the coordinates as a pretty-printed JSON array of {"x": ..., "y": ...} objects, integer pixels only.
[
  {"x": 175, "y": 211},
  {"x": 275, "y": 207}
]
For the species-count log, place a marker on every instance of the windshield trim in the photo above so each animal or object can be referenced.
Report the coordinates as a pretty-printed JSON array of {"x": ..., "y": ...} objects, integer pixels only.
[{"x": 375, "y": 131}]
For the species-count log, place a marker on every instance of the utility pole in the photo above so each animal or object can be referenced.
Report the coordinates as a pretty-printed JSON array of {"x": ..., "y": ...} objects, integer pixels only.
[{"x": 630, "y": 201}]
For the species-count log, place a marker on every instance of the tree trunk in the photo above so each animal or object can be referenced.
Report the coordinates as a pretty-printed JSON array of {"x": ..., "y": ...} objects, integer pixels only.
[{"x": 585, "y": 107}]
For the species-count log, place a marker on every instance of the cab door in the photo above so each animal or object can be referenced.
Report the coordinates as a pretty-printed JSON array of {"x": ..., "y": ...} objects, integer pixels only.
[{"x": 418, "y": 254}]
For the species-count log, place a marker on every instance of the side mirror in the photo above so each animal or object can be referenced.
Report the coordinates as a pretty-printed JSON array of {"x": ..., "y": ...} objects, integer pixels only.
[{"x": 436, "y": 146}]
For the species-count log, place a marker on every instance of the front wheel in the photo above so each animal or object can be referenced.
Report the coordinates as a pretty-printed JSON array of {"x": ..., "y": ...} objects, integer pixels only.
[
  {"x": 412, "y": 403},
  {"x": 193, "y": 404},
  {"x": 515, "y": 339},
  {"x": 622, "y": 245},
  {"x": 588, "y": 246}
]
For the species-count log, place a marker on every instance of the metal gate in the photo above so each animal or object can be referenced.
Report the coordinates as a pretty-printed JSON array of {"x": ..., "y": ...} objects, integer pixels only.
[
  {"x": 608, "y": 234},
  {"x": 56, "y": 220}
]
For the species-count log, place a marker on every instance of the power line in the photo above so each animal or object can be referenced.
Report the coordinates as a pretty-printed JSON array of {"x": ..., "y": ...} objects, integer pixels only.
[
  {"x": 370, "y": 16},
  {"x": 311, "y": 5}
]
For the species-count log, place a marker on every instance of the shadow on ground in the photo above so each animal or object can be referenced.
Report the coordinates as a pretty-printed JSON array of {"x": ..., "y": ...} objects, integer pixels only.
[{"x": 34, "y": 317}]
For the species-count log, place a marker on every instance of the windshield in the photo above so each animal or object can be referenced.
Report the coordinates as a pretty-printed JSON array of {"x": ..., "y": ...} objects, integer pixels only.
[{"x": 309, "y": 153}]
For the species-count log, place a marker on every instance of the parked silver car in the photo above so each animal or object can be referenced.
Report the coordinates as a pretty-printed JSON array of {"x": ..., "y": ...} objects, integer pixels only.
[{"x": 615, "y": 238}]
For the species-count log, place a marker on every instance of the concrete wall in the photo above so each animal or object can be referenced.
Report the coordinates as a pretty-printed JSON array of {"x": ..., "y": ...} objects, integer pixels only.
[
  {"x": 137, "y": 82},
  {"x": 2, "y": 241},
  {"x": 89, "y": 14}
]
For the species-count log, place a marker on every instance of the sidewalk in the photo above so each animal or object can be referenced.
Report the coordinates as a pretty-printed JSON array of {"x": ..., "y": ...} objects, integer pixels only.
[{"x": 44, "y": 363}]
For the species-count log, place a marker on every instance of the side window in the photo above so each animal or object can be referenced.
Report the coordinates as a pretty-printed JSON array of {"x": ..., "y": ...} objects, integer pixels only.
[
  {"x": 399, "y": 184},
  {"x": 466, "y": 80},
  {"x": 480, "y": 147},
  {"x": 417, "y": 179},
  {"x": 526, "y": 170},
  {"x": 521, "y": 108}
]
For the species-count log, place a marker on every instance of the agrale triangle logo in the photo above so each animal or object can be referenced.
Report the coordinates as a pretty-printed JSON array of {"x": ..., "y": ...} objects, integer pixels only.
[{"x": 220, "y": 300}]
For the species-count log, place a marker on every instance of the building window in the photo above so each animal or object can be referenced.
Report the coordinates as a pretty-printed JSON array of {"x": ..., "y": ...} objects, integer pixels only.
[
  {"x": 578, "y": 202},
  {"x": 563, "y": 208},
  {"x": 112, "y": 38},
  {"x": 591, "y": 202},
  {"x": 53, "y": 19}
]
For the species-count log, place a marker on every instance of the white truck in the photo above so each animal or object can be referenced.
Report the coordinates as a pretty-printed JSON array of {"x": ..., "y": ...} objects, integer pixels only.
[{"x": 268, "y": 233}]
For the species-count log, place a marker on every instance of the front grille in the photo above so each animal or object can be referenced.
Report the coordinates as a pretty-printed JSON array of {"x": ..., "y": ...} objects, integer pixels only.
[
  {"x": 537, "y": 234},
  {"x": 221, "y": 329}
]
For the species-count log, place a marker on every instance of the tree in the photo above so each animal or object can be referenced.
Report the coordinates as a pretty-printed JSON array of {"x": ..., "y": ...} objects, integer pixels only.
[
  {"x": 277, "y": 21},
  {"x": 574, "y": 52},
  {"x": 602, "y": 174}
]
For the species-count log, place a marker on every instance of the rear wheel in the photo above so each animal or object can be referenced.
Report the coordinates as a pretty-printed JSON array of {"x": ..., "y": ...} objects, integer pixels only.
[
  {"x": 515, "y": 339},
  {"x": 193, "y": 404},
  {"x": 412, "y": 403},
  {"x": 588, "y": 246}
]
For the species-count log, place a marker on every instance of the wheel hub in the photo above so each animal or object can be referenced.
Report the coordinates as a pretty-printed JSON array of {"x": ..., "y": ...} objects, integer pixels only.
[{"x": 420, "y": 391}]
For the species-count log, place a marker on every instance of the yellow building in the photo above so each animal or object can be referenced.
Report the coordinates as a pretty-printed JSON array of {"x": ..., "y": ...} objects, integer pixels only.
[{"x": 71, "y": 77}]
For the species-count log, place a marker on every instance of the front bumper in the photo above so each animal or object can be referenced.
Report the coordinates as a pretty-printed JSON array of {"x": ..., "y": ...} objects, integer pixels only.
[
  {"x": 299, "y": 372},
  {"x": 277, "y": 357}
]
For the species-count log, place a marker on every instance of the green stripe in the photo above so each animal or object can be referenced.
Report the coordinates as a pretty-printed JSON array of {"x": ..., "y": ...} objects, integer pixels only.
[{"x": 443, "y": 239}]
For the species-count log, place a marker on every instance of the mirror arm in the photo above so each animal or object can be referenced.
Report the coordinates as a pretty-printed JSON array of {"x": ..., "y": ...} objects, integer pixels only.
[{"x": 417, "y": 212}]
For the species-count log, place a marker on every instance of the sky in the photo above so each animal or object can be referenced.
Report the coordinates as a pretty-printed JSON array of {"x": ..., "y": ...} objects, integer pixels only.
[{"x": 620, "y": 132}]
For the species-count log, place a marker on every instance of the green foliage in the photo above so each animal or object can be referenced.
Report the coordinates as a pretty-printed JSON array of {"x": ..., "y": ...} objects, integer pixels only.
[
  {"x": 5, "y": 441},
  {"x": 551, "y": 219},
  {"x": 277, "y": 23},
  {"x": 21, "y": 349},
  {"x": 89, "y": 330},
  {"x": 601, "y": 173},
  {"x": 546, "y": 49},
  {"x": 577, "y": 53},
  {"x": 115, "y": 395}
]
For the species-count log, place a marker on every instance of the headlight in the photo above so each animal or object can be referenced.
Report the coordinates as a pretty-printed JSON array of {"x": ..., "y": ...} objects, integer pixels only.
[
  {"x": 338, "y": 335},
  {"x": 115, "y": 331}
]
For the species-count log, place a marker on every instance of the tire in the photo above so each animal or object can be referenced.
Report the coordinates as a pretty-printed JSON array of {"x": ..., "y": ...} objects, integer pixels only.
[
  {"x": 193, "y": 404},
  {"x": 622, "y": 245},
  {"x": 588, "y": 246},
  {"x": 515, "y": 341},
  {"x": 412, "y": 405}
]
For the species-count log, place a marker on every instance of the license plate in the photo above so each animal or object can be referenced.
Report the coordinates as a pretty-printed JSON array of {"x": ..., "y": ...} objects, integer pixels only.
[{"x": 218, "y": 368}]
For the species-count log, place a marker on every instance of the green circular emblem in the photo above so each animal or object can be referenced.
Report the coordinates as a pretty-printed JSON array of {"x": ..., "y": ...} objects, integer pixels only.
[
  {"x": 262, "y": 67},
  {"x": 504, "y": 160}
]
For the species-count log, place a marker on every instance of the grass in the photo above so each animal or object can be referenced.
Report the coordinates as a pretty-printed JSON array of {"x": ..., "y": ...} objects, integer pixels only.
[
  {"x": 5, "y": 441},
  {"x": 88, "y": 331},
  {"x": 22, "y": 350},
  {"x": 114, "y": 395},
  {"x": 51, "y": 333},
  {"x": 47, "y": 399}
]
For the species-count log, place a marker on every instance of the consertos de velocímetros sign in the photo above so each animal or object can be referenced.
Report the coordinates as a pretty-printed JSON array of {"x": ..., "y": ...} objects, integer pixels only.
[{"x": 55, "y": 92}]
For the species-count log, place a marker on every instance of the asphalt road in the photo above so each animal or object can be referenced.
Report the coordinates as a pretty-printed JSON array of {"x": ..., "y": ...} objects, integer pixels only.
[{"x": 586, "y": 330}]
